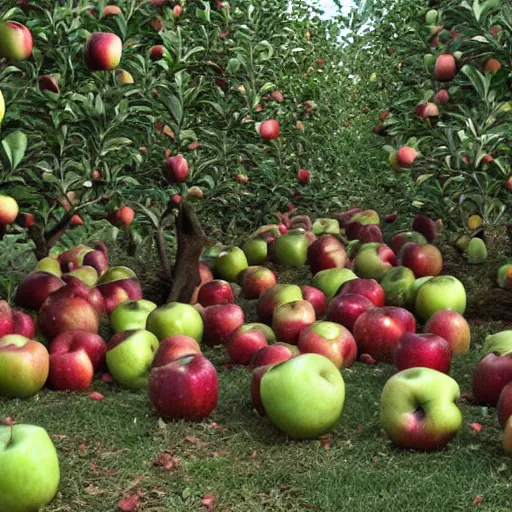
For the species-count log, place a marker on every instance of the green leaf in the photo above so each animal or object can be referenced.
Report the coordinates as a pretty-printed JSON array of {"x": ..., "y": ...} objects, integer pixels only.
[{"x": 15, "y": 145}]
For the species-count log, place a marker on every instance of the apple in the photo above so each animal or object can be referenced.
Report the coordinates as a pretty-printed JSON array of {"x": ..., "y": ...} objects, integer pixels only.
[
  {"x": 355, "y": 222},
  {"x": 303, "y": 176},
  {"x": 267, "y": 331},
  {"x": 373, "y": 260},
  {"x": 121, "y": 217},
  {"x": 442, "y": 96},
  {"x": 117, "y": 285},
  {"x": 425, "y": 110},
  {"x": 418, "y": 410},
  {"x": 103, "y": 51},
  {"x": 6, "y": 318},
  {"x": 112, "y": 10},
  {"x": 423, "y": 260},
  {"x": 346, "y": 308},
  {"x": 507, "y": 437},
  {"x": 369, "y": 288},
  {"x": 241, "y": 345},
  {"x": 378, "y": 331},
  {"x": 445, "y": 68},
  {"x": 175, "y": 347},
  {"x": 131, "y": 315},
  {"x": 290, "y": 249},
  {"x": 256, "y": 251},
  {"x": 176, "y": 169},
  {"x": 269, "y": 129},
  {"x": 229, "y": 263},
  {"x": 186, "y": 388},
  {"x": 494, "y": 371},
  {"x": 426, "y": 226},
  {"x": 86, "y": 273},
  {"x": 326, "y": 226},
  {"x": 35, "y": 289},
  {"x": 397, "y": 285},
  {"x": 205, "y": 276},
  {"x": 23, "y": 324},
  {"x": 30, "y": 474},
  {"x": 257, "y": 375},
  {"x": 422, "y": 350},
  {"x": 129, "y": 357},
  {"x": 331, "y": 280},
  {"x": 175, "y": 318},
  {"x": 273, "y": 297},
  {"x": 156, "y": 52},
  {"x": 326, "y": 252},
  {"x": 452, "y": 327},
  {"x": 492, "y": 66},
  {"x": 406, "y": 156},
  {"x": 504, "y": 276},
  {"x": 15, "y": 41},
  {"x": 316, "y": 298},
  {"x": 79, "y": 288},
  {"x": 272, "y": 354},
  {"x": 74, "y": 357},
  {"x": 290, "y": 318},
  {"x": 331, "y": 340},
  {"x": 220, "y": 321},
  {"x": 68, "y": 309},
  {"x": 50, "y": 265},
  {"x": 504, "y": 406},
  {"x": 216, "y": 291},
  {"x": 24, "y": 366},
  {"x": 303, "y": 396},
  {"x": 398, "y": 240},
  {"x": 440, "y": 292},
  {"x": 255, "y": 280}
]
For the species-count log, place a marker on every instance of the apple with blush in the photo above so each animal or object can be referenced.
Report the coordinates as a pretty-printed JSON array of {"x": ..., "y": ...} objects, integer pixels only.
[
  {"x": 504, "y": 406},
  {"x": 273, "y": 354},
  {"x": 103, "y": 51},
  {"x": 373, "y": 260},
  {"x": 316, "y": 298},
  {"x": 329, "y": 281},
  {"x": 173, "y": 348},
  {"x": 422, "y": 350},
  {"x": 331, "y": 340},
  {"x": 290, "y": 318},
  {"x": 214, "y": 292},
  {"x": 326, "y": 252},
  {"x": 220, "y": 321},
  {"x": 346, "y": 308},
  {"x": 35, "y": 289},
  {"x": 7, "y": 320},
  {"x": 369, "y": 288},
  {"x": 117, "y": 285},
  {"x": 23, "y": 324},
  {"x": 255, "y": 280},
  {"x": 241, "y": 345},
  {"x": 452, "y": 327},
  {"x": 423, "y": 260},
  {"x": 398, "y": 240},
  {"x": 186, "y": 388},
  {"x": 257, "y": 374},
  {"x": 273, "y": 297}
]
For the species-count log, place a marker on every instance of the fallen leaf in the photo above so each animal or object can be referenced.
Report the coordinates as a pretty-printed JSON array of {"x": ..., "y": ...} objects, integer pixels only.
[
  {"x": 207, "y": 501},
  {"x": 129, "y": 503},
  {"x": 83, "y": 447},
  {"x": 166, "y": 461},
  {"x": 96, "y": 396},
  {"x": 220, "y": 454},
  {"x": 368, "y": 359},
  {"x": 215, "y": 426},
  {"x": 326, "y": 442},
  {"x": 254, "y": 455},
  {"x": 467, "y": 397},
  {"x": 478, "y": 499},
  {"x": 106, "y": 377},
  {"x": 477, "y": 427},
  {"x": 194, "y": 145},
  {"x": 194, "y": 440}
]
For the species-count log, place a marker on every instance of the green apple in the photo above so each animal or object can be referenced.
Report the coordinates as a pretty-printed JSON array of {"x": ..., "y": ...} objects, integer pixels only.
[
  {"x": 256, "y": 251},
  {"x": 303, "y": 396},
  {"x": 440, "y": 292},
  {"x": 326, "y": 226},
  {"x": 116, "y": 274},
  {"x": 229, "y": 263},
  {"x": 290, "y": 250},
  {"x": 397, "y": 284},
  {"x": 87, "y": 274},
  {"x": 418, "y": 283},
  {"x": 175, "y": 318},
  {"x": 50, "y": 265},
  {"x": 418, "y": 410},
  {"x": 431, "y": 17},
  {"x": 30, "y": 473},
  {"x": 131, "y": 315},
  {"x": 209, "y": 255},
  {"x": 429, "y": 61},
  {"x": 129, "y": 356},
  {"x": 274, "y": 297},
  {"x": 329, "y": 281},
  {"x": 373, "y": 260}
]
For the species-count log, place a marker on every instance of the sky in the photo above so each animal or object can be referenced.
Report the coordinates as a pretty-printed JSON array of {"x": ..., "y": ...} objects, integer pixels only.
[{"x": 329, "y": 7}]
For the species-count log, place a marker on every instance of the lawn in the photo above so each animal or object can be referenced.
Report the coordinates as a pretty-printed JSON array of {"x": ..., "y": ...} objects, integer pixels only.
[{"x": 117, "y": 447}]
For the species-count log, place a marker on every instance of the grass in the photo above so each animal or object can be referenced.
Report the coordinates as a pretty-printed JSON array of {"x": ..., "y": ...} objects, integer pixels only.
[{"x": 107, "y": 448}]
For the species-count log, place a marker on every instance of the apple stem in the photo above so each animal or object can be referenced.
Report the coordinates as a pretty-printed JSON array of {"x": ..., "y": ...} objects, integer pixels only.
[{"x": 11, "y": 439}]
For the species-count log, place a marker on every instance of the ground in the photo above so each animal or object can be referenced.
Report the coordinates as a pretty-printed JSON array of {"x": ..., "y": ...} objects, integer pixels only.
[{"x": 117, "y": 447}]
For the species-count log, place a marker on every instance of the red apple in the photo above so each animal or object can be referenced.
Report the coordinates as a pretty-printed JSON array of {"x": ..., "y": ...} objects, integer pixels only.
[
  {"x": 273, "y": 297},
  {"x": 78, "y": 287},
  {"x": 175, "y": 347},
  {"x": 35, "y": 289},
  {"x": 346, "y": 308},
  {"x": 156, "y": 52},
  {"x": 186, "y": 388},
  {"x": 121, "y": 217},
  {"x": 23, "y": 324},
  {"x": 220, "y": 321},
  {"x": 214, "y": 292},
  {"x": 398, "y": 240},
  {"x": 273, "y": 354},
  {"x": 290, "y": 318},
  {"x": 7, "y": 321},
  {"x": 205, "y": 276},
  {"x": 15, "y": 41},
  {"x": 176, "y": 169},
  {"x": 424, "y": 350},
  {"x": 442, "y": 96},
  {"x": 316, "y": 298},
  {"x": 445, "y": 68},
  {"x": 491, "y": 375},
  {"x": 423, "y": 260},
  {"x": 369, "y": 288},
  {"x": 269, "y": 129},
  {"x": 242, "y": 344},
  {"x": 255, "y": 280},
  {"x": 331, "y": 340},
  {"x": 326, "y": 252},
  {"x": 406, "y": 156},
  {"x": 426, "y": 226},
  {"x": 257, "y": 375},
  {"x": 303, "y": 176},
  {"x": 71, "y": 341},
  {"x": 103, "y": 51},
  {"x": 452, "y": 327},
  {"x": 504, "y": 406},
  {"x": 378, "y": 331}
]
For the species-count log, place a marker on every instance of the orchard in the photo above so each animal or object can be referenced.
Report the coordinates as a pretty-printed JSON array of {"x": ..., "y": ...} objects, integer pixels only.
[{"x": 256, "y": 256}]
